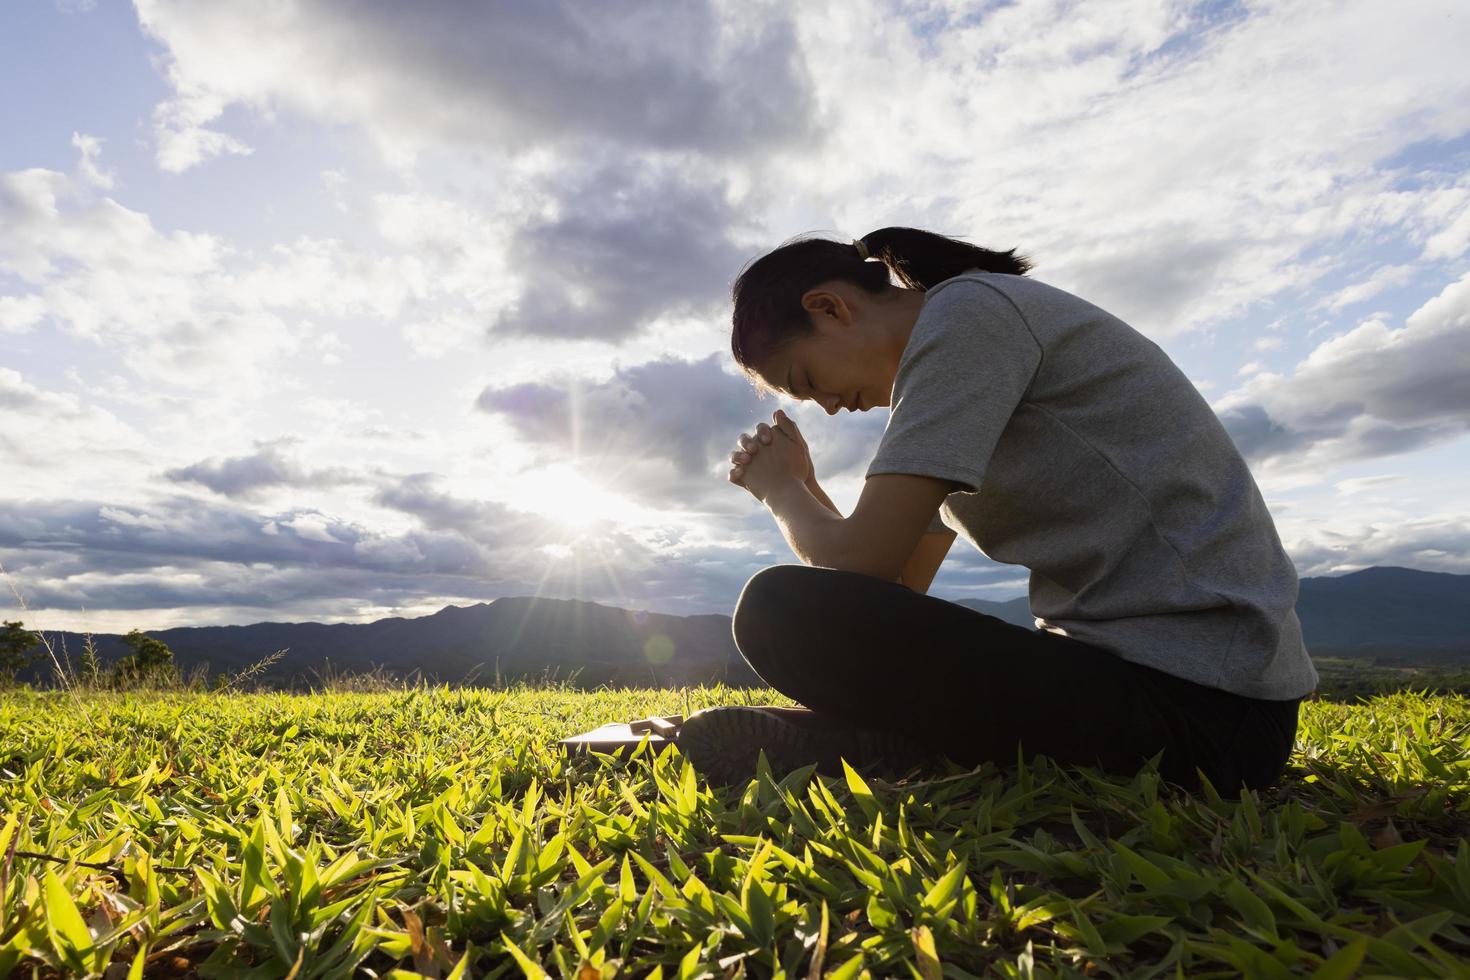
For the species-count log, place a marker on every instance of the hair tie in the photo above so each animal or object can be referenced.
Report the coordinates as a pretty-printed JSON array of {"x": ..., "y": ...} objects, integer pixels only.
[{"x": 862, "y": 248}]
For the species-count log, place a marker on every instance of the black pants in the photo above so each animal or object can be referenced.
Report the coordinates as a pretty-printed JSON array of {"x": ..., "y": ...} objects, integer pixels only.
[{"x": 879, "y": 655}]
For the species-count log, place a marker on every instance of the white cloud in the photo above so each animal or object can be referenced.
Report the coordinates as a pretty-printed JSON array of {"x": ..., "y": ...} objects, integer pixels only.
[
  {"x": 105, "y": 273},
  {"x": 1360, "y": 483},
  {"x": 1437, "y": 544},
  {"x": 1383, "y": 278},
  {"x": 1171, "y": 165},
  {"x": 88, "y": 168},
  {"x": 1369, "y": 392},
  {"x": 183, "y": 139},
  {"x": 180, "y": 308},
  {"x": 1447, "y": 223},
  {"x": 335, "y": 181},
  {"x": 20, "y": 313},
  {"x": 52, "y": 439},
  {"x": 1175, "y": 184}
]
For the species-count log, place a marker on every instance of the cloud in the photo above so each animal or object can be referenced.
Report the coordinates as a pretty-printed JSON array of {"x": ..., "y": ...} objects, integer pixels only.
[
  {"x": 679, "y": 411},
  {"x": 245, "y": 476},
  {"x": 792, "y": 109},
  {"x": 179, "y": 554},
  {"x": 90, "y": 541},
  {"x": 615, "y": 135},
  {"x": 1382, "y": 278},
  {"x": 585, "y": 188},
  {"x": 698, "y": 76},
  {"x": 1447, "y": 233},
  {"x": 104, "y": 273},
  {"x": 1372, "y": 391},
  {"x": 486, "y": 521},
  {"x": 1438, "y": 544},
  {"x": 685, "y": 416},
  {"x": 600, "y": 251},
  {"x": 88, "y": 168},
  {"x": 51, "y": 438},
  {"x": 1361, "y": 483},
  {"x": 630, "y": 243},
  {"x": 183, "y": 139},
  {"x": 179, "y": 308},
  {"x": 1171, "y": 163}
]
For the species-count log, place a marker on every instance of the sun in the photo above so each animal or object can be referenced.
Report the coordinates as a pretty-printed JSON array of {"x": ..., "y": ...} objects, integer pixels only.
[{"x": 568, "y": 498}]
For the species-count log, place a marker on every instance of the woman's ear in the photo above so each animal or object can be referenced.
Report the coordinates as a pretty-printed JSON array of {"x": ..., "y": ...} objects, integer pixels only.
[{"x": 824, "y": 305}]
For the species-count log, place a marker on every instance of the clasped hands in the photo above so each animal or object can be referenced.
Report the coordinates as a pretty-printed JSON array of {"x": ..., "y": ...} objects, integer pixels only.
[{"x": 772, "y": 456}]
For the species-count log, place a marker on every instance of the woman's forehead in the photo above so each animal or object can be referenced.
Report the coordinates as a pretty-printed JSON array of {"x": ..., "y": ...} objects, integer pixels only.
[{"x": 778, "y": 372}]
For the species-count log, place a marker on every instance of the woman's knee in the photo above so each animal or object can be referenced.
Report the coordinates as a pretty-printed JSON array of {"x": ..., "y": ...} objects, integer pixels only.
[{"x": 762, "y": 612}]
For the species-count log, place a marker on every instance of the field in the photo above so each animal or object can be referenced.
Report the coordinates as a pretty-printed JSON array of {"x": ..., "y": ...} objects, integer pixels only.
[{"x": 438, "y": 832}]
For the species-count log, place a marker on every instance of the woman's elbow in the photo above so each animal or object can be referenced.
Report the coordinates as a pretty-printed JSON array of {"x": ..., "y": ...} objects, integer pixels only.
[{"x": 865, "y": 562}]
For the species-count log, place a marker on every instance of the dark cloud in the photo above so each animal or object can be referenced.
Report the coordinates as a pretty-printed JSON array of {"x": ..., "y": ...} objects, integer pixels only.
[
  {"x": 688, "y": 413},
  {"x": 643, "y": 105},
  {"x": 674, "y": 77},
  {"x": 1183, "y": 269},
  {"x": 1352, "y": 438},
  {"x": 480, "y": 520},
  {"x": 663, "y": 431},
  {"x": 1369, "y": 392},
  {"x": 1257, "y": 435},
  {"x": 631, "y": 242},
  {"x": 181, "y": 552},
  {"x": 180, "y": 529},
  {"x": 246, "y": 476}
]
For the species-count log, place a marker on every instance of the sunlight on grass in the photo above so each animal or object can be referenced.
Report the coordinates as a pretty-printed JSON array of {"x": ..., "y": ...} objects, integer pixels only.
[{"x": 439, "y": 832}]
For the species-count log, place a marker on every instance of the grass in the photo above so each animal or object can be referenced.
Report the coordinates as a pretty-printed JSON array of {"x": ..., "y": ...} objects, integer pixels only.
[{"x": 429, "y": 831}]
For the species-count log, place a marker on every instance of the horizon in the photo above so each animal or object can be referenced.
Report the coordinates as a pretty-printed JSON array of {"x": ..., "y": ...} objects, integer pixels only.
[
  {"x": 635, "y": 610},
  {"x": 366, "y": 327}
]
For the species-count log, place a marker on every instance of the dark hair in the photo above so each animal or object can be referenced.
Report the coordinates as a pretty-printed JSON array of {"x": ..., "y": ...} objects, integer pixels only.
[{"x": 767, "y": 295}]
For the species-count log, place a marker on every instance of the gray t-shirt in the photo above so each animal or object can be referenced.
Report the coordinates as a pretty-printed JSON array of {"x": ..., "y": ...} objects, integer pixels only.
[{"x": 1089, "y": 458}]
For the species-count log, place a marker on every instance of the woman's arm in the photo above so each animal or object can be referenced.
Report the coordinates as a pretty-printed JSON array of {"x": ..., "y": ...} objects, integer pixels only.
[
  {"x": 818, "y": 532},
  {"x": 919, "y": 573},
  {"x": 923, "y": 565},
  {"x": 821, "y": 495},
  {"x": 878, "y": 539}
]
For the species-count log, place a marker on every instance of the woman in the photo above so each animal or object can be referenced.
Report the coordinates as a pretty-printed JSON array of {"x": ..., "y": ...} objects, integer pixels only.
[{"x": 1051, "y": 435}]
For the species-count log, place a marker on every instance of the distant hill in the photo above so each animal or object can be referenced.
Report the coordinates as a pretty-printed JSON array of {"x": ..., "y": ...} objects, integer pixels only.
[
  {"x": 1389, "y": 614},
  {"x": 1387, "y": 606},
  {"x": 519, "y": 637},
  {"x": 1382, "y": 612}
]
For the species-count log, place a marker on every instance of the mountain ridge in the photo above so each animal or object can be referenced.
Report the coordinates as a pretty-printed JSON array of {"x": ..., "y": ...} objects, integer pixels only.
[{"x": 1381, "y": 611}]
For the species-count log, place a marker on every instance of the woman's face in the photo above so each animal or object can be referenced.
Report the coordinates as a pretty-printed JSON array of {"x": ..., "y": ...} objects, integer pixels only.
[{"x": 839, "y": 366}]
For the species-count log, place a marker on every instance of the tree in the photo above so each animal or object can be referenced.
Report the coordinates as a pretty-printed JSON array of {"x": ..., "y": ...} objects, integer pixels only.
[
  {"x": 18, "y": 647},
  {"x": 150, "y": 659}
]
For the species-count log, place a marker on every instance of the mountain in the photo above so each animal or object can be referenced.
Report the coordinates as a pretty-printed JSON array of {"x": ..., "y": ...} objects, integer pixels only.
[
  {"x": 518, "y": 637},
  {"x": 1380, "y": 613},
  {"x": 1386, "y": 606}
]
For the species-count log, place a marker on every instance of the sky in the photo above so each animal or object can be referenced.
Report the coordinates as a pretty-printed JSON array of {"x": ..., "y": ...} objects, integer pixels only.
[{"x": 328, "y": 310}]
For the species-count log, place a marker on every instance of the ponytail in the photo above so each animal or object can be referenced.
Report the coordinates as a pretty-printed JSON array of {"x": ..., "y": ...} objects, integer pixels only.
[
  {"x": 768, "y": 313},
  {"x": 922, "y": 259}
]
